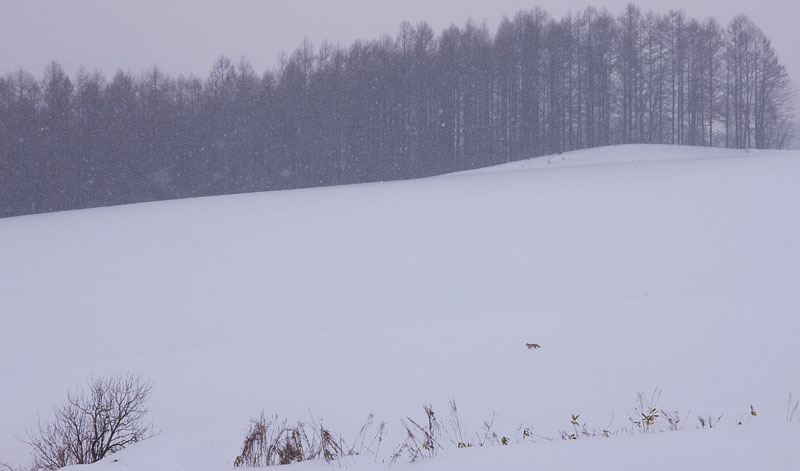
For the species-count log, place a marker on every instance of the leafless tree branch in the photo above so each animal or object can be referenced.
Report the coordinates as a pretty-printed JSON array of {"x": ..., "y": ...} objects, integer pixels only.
[{"x": 92, "y": 424}]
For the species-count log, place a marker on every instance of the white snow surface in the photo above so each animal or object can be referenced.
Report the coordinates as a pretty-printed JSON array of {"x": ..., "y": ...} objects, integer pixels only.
[
  {"x": 634, "y": 267},
  {"x": 743, "y": 448}
]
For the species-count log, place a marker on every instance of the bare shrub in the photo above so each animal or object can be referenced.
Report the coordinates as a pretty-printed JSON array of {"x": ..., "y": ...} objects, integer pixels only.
[
  {"x": 646, "y": 415},
  {"x": 709, "y": 421},
  {"x": 422, "y": 441},
  {"x": 583, "y": 430},
  {"x": 272, "y": 441},
  {"x": 574, "y": 434},
  {"x": 368, "y": 441},
  {"x": 94, "y": 423},
  {"x": 456, "y": 432},
  {"x": 488, "y": 436},
  {"x": 523, "y": 432},
  {"x": 673, "y": 419}
]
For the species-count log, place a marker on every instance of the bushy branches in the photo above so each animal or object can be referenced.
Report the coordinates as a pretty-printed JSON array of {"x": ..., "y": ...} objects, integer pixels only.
[{"x": 107, "y": 416}]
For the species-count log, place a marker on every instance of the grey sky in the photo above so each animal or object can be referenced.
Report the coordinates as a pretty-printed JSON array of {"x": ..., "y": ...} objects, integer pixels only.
[{"x": 186, "y": 36}]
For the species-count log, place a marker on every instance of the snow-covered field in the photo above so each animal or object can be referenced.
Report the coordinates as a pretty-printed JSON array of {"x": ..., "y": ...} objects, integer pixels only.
[{"x": 634, "y": 268}]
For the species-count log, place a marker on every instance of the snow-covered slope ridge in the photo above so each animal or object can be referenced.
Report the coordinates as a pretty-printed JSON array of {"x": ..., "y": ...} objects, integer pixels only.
[{"x": 634, "y": 268}]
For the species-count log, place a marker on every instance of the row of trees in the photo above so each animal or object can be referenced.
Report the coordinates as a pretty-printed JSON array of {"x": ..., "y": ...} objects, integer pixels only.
[{"x": 414, "y": 105}]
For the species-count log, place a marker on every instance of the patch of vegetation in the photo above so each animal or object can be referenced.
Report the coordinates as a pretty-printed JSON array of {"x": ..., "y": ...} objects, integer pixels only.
[
  {"x": 107, "y": 416},
  {"x": 274, "y": 441}
]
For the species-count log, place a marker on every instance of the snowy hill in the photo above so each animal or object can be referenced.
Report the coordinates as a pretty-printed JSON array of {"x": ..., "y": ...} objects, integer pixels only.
[{"x": 634, "y": 268}]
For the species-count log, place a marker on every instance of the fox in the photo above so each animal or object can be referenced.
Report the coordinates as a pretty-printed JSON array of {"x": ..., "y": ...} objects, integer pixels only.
[{"x": 533, "y": 346}]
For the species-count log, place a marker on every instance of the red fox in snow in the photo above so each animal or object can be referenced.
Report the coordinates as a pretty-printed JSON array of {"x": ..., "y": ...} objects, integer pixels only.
[{"x": 532, "y": 346}]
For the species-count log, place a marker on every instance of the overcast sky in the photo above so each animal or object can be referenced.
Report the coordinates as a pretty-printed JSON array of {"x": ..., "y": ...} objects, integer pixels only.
[{"x": 186, "y": 36}]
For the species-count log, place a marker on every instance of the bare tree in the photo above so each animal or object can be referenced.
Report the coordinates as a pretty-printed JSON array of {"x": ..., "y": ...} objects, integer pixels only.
[
  {"x": 391, "y": 108},
  {"x": 92, "y": 424}
]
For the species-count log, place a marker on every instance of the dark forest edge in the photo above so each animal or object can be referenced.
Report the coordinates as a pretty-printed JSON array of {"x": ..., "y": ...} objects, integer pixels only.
[{"x": 392, "y": 108}]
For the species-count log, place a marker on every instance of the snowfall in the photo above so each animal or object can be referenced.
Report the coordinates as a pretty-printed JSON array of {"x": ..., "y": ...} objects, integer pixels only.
[{"x": 637, "y": 269}]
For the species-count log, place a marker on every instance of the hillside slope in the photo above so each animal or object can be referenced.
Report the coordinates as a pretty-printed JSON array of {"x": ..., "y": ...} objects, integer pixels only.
[{"x": 634, "y": 267}]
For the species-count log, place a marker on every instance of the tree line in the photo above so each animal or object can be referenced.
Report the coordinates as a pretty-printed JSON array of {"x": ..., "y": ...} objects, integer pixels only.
[{"x": 412, "y": 105}]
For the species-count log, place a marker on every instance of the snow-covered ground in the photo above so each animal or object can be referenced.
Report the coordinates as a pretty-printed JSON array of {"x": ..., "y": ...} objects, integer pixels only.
[
  {"x": 627, "y": 154},
  {"x": 752, "y": 447},
  {"x": 634, "y": 268}
]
